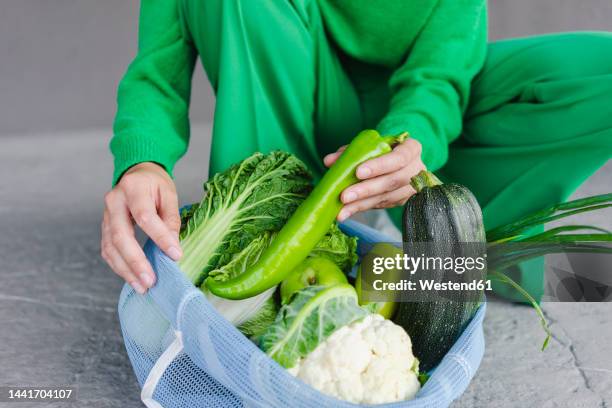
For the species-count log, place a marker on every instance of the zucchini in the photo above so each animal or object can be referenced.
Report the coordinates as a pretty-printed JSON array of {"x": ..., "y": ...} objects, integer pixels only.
[{"x": 443, "y": 215}]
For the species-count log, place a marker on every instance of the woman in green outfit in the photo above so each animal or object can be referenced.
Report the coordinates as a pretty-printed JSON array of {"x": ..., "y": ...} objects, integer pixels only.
[{"x": 520, "y": 122}]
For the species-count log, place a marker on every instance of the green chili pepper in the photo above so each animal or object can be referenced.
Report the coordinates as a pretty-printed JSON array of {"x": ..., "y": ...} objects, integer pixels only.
[{"x": 310, "y": 221}]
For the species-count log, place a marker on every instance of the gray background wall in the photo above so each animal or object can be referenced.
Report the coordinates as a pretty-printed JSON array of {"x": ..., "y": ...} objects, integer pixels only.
[{"x": 60, "y": 60}]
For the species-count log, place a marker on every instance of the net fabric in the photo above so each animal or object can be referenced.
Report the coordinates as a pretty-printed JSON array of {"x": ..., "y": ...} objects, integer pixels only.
[{"x": 216, "y": 366}]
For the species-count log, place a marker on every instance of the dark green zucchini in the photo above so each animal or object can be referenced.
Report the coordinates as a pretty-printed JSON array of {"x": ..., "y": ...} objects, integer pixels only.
[{"x": 441, "y": 215}]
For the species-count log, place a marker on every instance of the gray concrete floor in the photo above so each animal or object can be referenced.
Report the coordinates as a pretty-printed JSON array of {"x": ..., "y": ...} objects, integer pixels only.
[{"x": 58, "y": 320}]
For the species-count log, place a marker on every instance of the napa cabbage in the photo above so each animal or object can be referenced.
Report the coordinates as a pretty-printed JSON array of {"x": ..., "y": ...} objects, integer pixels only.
[{"x": 251, "y": 198}]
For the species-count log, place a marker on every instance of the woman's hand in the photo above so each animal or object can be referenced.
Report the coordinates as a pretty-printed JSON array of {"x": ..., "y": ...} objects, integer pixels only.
[
  {"x": 386, "y": 179},
  {"x": 146, "y": 195}
]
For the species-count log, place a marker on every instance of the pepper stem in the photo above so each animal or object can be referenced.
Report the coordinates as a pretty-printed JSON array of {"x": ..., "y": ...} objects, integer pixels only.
[
  {"x": 424, "y": 179},
  {"x": 396, "y": 139}
]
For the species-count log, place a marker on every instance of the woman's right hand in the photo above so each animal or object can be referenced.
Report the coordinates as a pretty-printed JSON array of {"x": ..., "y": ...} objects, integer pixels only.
[{"x": 147, "y": 196}]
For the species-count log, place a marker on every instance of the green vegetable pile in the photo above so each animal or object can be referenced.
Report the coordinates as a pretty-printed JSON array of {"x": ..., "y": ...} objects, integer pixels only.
[
  {"x": 240, "y": 215},
  {"x": 244, "y": 207},
  {"x": 264, "y": 248}
]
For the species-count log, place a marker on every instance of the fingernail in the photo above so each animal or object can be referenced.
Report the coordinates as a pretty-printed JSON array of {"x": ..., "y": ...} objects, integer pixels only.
[
  {"x": 364, "y": 172},
  {"x": 137, "y": 287},
  {"x": 147, "y": 279},
  {"x": 343, "y": 215},
  {"x": 350, "y": 196},
  {"x": 174, "y": 253}
]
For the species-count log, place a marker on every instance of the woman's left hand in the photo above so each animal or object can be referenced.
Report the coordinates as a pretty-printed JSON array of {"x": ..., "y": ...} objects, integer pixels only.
[{"x": 386, "y": 179}]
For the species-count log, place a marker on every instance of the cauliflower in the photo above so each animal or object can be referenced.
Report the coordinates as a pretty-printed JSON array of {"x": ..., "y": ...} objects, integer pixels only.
[{"x": 366, "y": 362}]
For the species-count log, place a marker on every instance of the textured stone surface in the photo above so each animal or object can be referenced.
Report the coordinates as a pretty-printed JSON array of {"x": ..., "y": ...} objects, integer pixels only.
[
  {"x": 58, "y": 301},
  {"x": 576, "y": 368}
]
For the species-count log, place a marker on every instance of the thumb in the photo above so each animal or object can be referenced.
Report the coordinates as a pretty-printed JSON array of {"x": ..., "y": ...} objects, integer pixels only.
[{"x": 332, "y": 157}]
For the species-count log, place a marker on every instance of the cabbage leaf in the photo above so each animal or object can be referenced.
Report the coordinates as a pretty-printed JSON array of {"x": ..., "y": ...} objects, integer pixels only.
[
  {"x": 335, "y": 246},
  {"x": 338, "y": 248},
  {"x": 313, "y": 315},
  {"x": 255, "y": 196}
]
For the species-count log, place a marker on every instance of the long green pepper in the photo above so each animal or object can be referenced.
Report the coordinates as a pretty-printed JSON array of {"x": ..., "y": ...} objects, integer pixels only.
[{"x": 310, "y": 221}]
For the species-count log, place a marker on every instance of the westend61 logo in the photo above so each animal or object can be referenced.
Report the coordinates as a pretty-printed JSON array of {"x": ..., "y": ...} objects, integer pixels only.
[
  {"x": 430, "y": 267},
  {"x": 423, "y": 271},
  {"x": 428, "y": 272}
]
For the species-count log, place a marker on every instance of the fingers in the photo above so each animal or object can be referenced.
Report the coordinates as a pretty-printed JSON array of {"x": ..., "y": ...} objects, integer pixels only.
[
  {"x": 114, "y": 259},
  {"x": 124, "y": 243},
  {"x": 123, "y": 270},
  {"x": 386, "y": 200},
  {"x": 144, "y": 212},
  {"x": 145, "y": 194},
  {"x": 386, "y": 180},
  {"x": 332, "y": 157},
  {"x": 400, "y": 157},
  {"x": 382, "y": 184},
  {"x": 375, "y": 186}
]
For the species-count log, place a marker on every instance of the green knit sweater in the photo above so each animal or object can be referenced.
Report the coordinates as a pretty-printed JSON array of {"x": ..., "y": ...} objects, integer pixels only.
[{"x": 435, "y": 48}]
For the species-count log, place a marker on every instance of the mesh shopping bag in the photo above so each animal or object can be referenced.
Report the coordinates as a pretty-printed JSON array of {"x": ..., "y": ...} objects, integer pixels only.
[{"x": 185, "y": 354}]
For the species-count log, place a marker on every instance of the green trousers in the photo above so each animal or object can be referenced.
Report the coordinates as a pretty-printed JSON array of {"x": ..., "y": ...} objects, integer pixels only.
[{"x": 538, "y": 124}]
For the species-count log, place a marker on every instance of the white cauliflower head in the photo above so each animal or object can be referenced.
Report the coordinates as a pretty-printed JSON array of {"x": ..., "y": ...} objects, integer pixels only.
[{"x": 367, "y": 362}]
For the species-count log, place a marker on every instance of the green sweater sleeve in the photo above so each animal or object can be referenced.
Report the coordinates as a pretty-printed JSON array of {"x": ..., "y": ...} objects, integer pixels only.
[
  {"x": 152, "y": 120},
  {"x": 430, "y": 90}
]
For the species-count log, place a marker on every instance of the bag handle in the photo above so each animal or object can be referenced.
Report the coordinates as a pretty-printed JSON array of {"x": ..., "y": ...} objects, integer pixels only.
[{"x": 158, "y": 370}]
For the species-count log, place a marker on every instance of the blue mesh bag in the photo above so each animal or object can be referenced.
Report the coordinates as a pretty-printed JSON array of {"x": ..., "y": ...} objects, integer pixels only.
[{"x": 185, "y": 354}]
